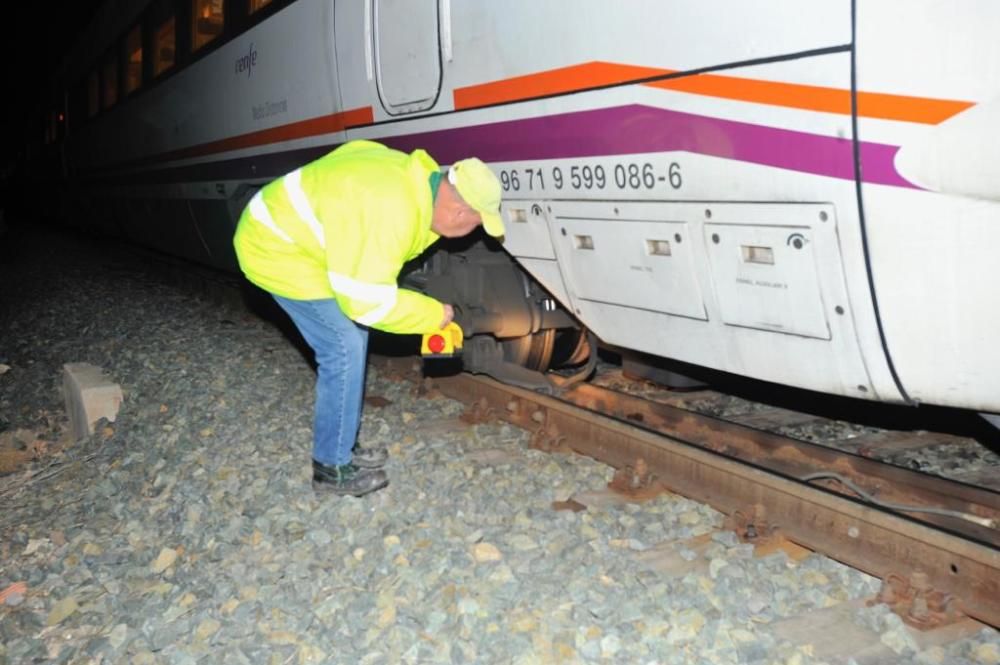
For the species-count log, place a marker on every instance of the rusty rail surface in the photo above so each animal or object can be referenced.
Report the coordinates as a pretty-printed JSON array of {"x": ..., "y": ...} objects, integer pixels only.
[
  {"x": 721, "y": 464},
  {"x": 796, "y": 458}
]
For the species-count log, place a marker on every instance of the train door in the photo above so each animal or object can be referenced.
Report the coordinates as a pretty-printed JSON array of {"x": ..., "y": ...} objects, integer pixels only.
[{"x": 407, "y": 54}]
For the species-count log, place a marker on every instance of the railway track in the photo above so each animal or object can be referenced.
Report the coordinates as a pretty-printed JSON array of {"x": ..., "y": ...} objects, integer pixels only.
[
  {"x": 747, "y": 460},
  {"x": 932, "y": 541}
]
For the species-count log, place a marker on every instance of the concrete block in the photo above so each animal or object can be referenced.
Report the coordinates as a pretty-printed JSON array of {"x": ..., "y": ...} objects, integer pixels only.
[{"x": 90, "y": 396}]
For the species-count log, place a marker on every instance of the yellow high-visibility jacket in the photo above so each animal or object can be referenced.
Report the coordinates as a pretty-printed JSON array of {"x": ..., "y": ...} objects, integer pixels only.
[{"x": 342, "y": 227}]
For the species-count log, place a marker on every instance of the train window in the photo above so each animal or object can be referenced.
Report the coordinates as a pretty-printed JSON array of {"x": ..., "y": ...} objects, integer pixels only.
[
  {"x": 76, "y": 107},
  {"x": 51, "y": 128},
  {"x": 109, "y": 78},
  {"x": 206, "y": 22},
  {"x": 93, "y": 94},
  {"x": 164, "y": 46},
  {"x": 256, "y": 5},
  {"x": 133, "y": 60}
]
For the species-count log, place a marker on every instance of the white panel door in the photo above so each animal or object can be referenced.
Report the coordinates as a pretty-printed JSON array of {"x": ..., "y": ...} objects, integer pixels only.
[{"x": 407, "y": 54}]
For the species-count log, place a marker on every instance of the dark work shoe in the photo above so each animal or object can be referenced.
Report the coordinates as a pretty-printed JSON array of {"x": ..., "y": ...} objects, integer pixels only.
[
  {"x": 370, "y": 457},
  {"x": 347, "y": 479}
]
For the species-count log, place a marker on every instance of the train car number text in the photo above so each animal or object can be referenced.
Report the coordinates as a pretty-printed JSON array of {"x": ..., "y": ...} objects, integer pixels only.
[{"x": 622, "y": 176}]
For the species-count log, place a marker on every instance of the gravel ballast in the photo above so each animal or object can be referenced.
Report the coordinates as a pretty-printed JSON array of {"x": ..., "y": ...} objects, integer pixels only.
[{"x": 187, "y": 531}]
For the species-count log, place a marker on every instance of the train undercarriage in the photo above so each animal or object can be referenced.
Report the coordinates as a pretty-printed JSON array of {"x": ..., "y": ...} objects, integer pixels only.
[{"x": 515, "y": 331}]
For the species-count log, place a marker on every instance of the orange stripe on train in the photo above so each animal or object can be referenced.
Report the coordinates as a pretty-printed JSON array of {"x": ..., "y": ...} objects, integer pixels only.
[
  {"x": 326, "y": 124},
  {"x": 793, "y": 95},
  {"x": 551, "y": 82}
]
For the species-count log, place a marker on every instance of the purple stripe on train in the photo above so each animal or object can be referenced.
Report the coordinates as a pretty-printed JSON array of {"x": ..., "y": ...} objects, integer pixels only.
[{"x": 636, "y": 129}]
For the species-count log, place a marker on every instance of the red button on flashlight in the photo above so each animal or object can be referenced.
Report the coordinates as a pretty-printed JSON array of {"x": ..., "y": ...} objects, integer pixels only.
[{"x": 435, "y": 343}]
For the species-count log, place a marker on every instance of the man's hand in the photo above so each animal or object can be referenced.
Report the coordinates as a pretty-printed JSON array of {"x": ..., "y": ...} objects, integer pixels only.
[{"x": 449, "y": 314}]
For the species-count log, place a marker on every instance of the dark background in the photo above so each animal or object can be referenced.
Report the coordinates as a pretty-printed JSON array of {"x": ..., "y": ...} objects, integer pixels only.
[{"x": 34, "y": 40}]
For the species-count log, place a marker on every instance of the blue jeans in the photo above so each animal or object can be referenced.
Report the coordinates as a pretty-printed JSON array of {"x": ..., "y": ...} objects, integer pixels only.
[{"x": 340, "y": 346}]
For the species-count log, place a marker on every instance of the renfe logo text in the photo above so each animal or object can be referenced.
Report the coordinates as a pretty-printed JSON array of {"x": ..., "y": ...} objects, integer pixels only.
[{"x": 246, "y": 63}]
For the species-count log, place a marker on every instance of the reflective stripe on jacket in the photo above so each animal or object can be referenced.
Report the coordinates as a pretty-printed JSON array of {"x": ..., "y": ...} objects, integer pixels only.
[{"x": 342, "y": 227}]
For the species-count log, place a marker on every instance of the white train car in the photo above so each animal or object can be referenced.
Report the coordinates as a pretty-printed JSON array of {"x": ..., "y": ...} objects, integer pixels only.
[{"x": 807, "y": 194}]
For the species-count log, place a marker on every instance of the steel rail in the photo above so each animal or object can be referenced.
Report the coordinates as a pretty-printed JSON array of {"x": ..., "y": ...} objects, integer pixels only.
[
  {"x": 797, "y": 458},
  {"x": 878, "y": 542}
]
